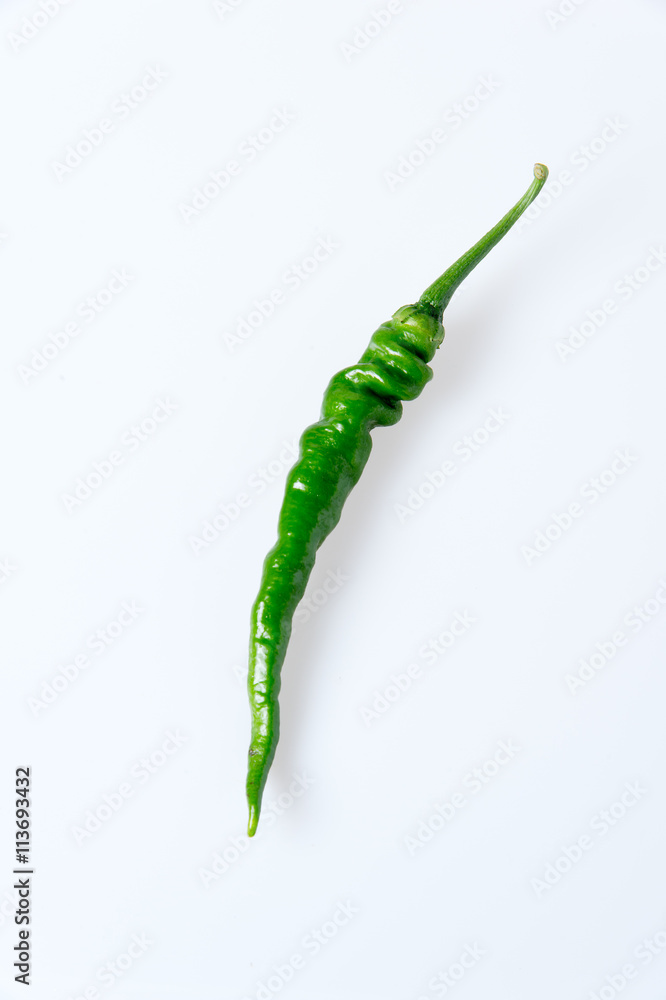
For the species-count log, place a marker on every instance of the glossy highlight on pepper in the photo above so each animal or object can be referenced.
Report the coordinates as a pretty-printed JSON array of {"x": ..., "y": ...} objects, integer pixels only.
[{"x": 333, "y": 453}]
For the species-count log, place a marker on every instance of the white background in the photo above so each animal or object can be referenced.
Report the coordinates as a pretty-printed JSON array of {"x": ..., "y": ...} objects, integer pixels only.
[{"x": 365, "y": 832}]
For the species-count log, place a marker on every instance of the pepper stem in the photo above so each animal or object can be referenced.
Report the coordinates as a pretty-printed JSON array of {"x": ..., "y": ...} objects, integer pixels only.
[{"x": 436, "y": 298}]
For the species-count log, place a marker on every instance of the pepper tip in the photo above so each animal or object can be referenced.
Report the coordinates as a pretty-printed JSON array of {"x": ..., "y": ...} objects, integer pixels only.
[{"x": 252, "y": 821}]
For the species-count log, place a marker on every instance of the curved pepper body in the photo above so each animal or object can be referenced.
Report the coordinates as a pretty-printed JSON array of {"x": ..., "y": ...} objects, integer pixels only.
[
  {"x": 332, "y": 456},
  {"x": 333, "y": 453}
]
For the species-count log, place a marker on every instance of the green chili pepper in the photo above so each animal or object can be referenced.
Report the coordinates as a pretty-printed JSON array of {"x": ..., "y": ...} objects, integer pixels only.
[{"x": 333, "y": 453}]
